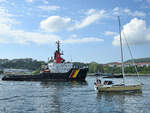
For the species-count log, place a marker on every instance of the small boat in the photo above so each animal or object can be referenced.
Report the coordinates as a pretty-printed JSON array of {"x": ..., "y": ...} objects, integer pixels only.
[
  {"x": 56, "y": 69},
  {"x": 118, "y": 87},
  {"x": 106, "y": 87}
]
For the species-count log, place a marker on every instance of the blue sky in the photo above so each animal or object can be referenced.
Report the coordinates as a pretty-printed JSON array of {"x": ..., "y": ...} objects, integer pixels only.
[{"x": 87, "y": 29}]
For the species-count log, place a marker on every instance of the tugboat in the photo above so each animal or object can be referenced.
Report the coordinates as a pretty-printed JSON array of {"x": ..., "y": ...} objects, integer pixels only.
[{"x": 56, "y": 69}]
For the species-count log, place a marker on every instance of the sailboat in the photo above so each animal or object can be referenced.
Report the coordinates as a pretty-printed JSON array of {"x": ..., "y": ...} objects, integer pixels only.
[{"x": 117, "y": 87}]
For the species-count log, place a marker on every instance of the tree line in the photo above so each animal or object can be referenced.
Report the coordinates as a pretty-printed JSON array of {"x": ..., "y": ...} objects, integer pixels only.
[
  {"x": 95, "y": 68},
  {"x": 31, "y": 64},
  {"x": 27, "y": 63}
]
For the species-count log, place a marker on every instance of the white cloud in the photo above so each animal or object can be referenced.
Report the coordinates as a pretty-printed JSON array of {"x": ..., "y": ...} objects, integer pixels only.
[
  {"x": 74, "y": 36},
  {"x": 45, "y": 1},
  {"x": 135, "y": 13},
  {"x": 10, "y": 35},
  {"x": 116, "y": 9},
  {"x": 91, "y": 18},
  {"x": 138, "y": 14},
  {"x": 128, "y": 11},
  {"x": 135, "y": 32},
  {"x": 49, "y": 8},
  {"x": 29, "y": 1},
  {"x": 110, "y": 33},
  {"x": 90, "y": 11},
  {"x": 75, "y": 39},
  {"x": 5, "y": 16},
  {"x": 54, "y": 23},
  {"x": 2, "y": 0},
  {"x": 22, "y": 37},
  {"x": 119, "y": 11}
]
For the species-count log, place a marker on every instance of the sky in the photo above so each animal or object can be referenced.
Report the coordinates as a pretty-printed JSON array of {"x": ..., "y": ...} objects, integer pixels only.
[{"x": 88, "y": 29}]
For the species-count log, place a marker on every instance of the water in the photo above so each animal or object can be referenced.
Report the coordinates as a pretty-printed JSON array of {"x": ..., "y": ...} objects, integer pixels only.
[{"x": 70, "y": 97}]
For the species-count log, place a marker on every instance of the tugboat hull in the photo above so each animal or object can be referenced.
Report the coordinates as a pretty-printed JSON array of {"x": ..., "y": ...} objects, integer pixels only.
[{"x": 73, "y": 74}]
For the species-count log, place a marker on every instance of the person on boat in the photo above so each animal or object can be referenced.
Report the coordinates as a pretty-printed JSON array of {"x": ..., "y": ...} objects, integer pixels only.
[
  {"x": 98, "y": 82},
  {"x": 108, "y": 82},
  {"x": 105, "y": 82}
]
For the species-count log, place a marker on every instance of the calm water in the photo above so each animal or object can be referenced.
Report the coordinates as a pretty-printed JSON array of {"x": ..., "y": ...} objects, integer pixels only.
[{"x": 70, "y": 97}]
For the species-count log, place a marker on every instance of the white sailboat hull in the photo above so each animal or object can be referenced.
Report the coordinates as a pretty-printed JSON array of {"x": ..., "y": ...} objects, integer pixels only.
[{"x": 118, "y": 88}]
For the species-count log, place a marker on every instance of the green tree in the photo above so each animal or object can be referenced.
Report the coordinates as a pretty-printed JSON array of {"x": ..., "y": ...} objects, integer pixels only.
[
  {"x": 95, "y": 67},
  {"x": 37, "y": 71}
]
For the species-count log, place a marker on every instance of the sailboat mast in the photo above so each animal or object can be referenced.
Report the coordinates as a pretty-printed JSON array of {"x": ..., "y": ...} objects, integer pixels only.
[{"x": 121, "y": 52}]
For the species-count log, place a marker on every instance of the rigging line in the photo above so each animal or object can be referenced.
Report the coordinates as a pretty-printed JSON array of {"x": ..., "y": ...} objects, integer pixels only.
[{"x": 133, "y": 61}]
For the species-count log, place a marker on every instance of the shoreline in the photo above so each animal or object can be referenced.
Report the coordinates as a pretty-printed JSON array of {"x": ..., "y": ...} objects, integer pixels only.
[
  {"x": 130, "y": 74},
  {"x": 136, "y": 74}
]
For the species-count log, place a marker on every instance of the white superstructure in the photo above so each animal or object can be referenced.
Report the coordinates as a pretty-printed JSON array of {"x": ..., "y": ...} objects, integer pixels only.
[
  {"x": 59, "y": 68},
  {"x": 57, "y": 64}
]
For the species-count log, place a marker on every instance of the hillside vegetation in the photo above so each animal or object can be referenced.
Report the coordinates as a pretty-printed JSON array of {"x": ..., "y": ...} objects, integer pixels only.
[
  {"x": 140, "y": 60},
  {"x": 27, "y": 63},
  {"x": 31, "y": 64}
]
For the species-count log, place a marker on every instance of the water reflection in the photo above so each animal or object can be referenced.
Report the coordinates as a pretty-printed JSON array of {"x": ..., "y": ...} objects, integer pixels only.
[
  {"x": 61, "y": 84},
  {"x": 116, "y": 101},
  {"x": 59, "y": 93},
  {"x": 72, "y": 97}
]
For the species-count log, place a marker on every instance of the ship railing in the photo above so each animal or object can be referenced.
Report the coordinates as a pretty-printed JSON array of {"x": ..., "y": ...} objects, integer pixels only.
[{"x": 82, "y": 67}]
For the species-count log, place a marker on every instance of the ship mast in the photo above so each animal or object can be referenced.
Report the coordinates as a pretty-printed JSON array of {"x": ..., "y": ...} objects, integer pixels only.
[
  {"x": 58, "y": 45},
  {"x": 57, "y": 54},
  {"x": 121, "y": 52}
]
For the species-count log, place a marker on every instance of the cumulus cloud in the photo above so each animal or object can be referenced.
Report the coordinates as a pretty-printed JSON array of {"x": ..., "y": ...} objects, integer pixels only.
[
  {"x": 10, "y": 35},
  {"x": 17, "y": 36},
  {"x": 49, "y": 8},
  {"x": 110, "y": 33},
  {"x": 135, "y": 32},
  {"x": 54, "y": 23},
  {"x": 75, "y": 39},
  {"x": 22, "y": 37},
  {"x": 5, "y": 17},
  {"x": 92, "y": 16}
]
